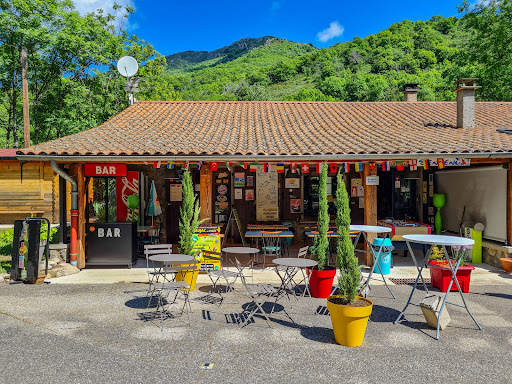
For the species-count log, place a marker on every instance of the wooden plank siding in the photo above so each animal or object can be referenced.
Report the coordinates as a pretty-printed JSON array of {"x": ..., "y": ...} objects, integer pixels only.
[{"x": 37, "y": 193}]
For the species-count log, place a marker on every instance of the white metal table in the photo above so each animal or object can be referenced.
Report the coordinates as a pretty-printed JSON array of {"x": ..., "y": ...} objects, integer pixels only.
[
  {"x": 365, "y": 229},
  {"x": 291, "y": 266},
  {"x": 444, "y": 241}
]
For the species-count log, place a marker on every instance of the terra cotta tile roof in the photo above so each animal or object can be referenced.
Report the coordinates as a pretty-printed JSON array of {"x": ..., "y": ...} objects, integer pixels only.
[
  {"x": 8, "y": 153},
  {"x": 179, "y": 128}
]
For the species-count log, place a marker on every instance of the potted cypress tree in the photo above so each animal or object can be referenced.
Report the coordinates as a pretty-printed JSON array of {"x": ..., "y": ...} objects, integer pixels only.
[
  {"x": 322, "y": 276},
  {"x": 189, "y": 222},
  {"x": 349, "y": 312}
]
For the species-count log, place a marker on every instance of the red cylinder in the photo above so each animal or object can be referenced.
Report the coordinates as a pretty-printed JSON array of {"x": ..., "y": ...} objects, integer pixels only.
[
  {"x": 74, "y": 235},
  {"x": 320, "y": 281}
]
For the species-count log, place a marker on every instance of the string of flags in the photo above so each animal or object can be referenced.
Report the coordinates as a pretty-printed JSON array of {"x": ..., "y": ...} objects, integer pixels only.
[{"x": 305, "y": 167}]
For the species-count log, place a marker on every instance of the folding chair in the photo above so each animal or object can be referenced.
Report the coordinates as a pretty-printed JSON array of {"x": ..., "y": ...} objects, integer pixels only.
[
  {"x": 303, "y": 252},
  {"x": 155, "y": 274},
  {"x": 229, "y": 277},
  {"x": 271, "y": 244}
]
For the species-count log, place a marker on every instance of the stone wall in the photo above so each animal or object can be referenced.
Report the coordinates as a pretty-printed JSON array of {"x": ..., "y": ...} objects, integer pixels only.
[{"x": 492, "y": 253}]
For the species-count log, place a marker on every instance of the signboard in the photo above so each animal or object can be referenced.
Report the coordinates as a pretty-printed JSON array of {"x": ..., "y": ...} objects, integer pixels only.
[
  {"x": 239, "y": 179},
  {"x": 455, "y": 162},
  {"x": 372, "y": 180},
  {"x": 126, "y": 186},
  {"x": 176, "y": 194},
  {"x": 208, "y": 238},
  {"x": 267, "y": 201},
  {"x": 292, "y": 182},
  {"x": 105, "y": 170}
]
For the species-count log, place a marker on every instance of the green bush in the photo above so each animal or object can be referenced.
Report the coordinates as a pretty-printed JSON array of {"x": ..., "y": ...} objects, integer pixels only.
[{"x": 6, "y": 238}]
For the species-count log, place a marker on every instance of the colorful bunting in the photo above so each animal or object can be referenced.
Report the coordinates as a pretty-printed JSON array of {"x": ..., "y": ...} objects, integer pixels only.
[
  {"x": 265, "y": 167},
  {"x": 199, "y": 165},
  {"x": 156, "y": 164},
  {"x": 214, "y": 165},
  {"x": 253, "y": 167},
  {"x": 185, "y": 165},
  {"x": 229, "y": 166},
  {"x": 372, "y": 166},
  {"x": 305, "y": 168},
  {"x": 170, "y": 165},
  {"x": 280, "y": 168},
  {"x": 399, "y": 166},
  {"x": 413, "y": 165},
  {"x": 333, "y": 167},
  {"x": 293, "y": 167},
  {"x": 319, "y": 168},
  {"x": 243, "y": 165},
  {"x": 386, "y": 166},
  {"x": 345, "y": 167},
  {"x": 359, "y": 166},
  {"x": 424, "y": 163},
  {"x": 440, "y": 163}
]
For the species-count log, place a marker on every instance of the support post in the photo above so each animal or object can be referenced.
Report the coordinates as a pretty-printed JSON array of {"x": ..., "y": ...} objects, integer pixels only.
[
  {"x": 63, "y": 214},
  {"x": 370, "y": 206},
  {"x": 509, "y": 204},
  {"x": 80, "y": 180},
  {"x": 206, "y": 192}
]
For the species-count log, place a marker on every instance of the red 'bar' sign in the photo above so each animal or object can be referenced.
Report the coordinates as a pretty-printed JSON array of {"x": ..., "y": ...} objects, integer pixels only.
[{"x": 105, "y": 170}]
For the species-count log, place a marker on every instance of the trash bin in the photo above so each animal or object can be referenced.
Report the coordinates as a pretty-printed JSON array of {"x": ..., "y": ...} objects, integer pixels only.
[{"x": 384, "y": 261}]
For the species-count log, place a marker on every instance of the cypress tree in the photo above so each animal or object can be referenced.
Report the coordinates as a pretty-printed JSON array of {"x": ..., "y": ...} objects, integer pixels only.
[
  {"x": 321, "y": 242},
  {"x": 189, "y": 221}
]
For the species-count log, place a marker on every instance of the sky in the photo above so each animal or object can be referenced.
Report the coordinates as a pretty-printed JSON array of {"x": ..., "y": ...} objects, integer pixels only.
[{"x": 174, "y": 26}]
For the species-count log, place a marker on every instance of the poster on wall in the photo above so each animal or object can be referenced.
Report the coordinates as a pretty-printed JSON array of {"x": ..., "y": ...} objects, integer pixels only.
[
  {"x": 239, "y": 179},
  {"x": 267, "y": 201},
  {"x": 292, "y": 182},
  {"x": 250, "y": 181},
  {"x": 353, "y": 191},
  {"x": 356, "y": 182},
  {"x": 208, "y": 238},
  {"x": 238, "y": 194},
  {"x": 176, "y": 194},
  {"x": 249, "y": 194},
  {"x": 127, "y": 186},
  {"x": 295, "y": 206}
]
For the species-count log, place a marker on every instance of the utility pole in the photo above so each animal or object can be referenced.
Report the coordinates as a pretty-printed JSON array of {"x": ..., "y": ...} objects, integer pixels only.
[{"x": 26, "y": 122}]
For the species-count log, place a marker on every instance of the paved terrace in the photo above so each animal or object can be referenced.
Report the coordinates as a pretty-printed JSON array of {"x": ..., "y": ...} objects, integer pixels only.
[{"x": 92, "y": 333}]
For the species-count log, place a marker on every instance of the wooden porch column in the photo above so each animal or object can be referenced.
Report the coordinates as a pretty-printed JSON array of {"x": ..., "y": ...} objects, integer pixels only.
[
  {"x": 370, "y": 206},
  {"x": 80, "y": 181},
  {"x": 509, "y": 204},
  {"x": 206, "y": 192}
]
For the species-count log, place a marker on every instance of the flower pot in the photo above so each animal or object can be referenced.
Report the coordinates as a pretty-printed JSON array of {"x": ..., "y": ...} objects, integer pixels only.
[
  {"x": 189, "y": 277},
  {"x": 349, "y": 322},
  {"x": 320, "y": 281},
  {"x": 507, "y": 264},
  {"x": 440, "y": 276}
]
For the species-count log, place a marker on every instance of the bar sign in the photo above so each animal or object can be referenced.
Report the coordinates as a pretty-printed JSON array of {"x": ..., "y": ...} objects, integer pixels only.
[{"x": 105, "y": 170}]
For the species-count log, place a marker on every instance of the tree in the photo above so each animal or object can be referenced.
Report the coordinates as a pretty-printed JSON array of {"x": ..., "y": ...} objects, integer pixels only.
[
  {"x": 189, "y": 220},
  {"x": 350, "y": 277},
  {"x": 321, "y": 242}
]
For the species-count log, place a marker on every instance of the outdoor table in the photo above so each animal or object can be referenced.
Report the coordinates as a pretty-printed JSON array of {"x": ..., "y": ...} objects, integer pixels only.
[
  {"x": 365, "y": 229},
  {"x": 144, "y": 228},
  {"x": 291, "y": 266},
  {"x": 242, "y": 251},
  {"x": 258, "y": 234},
  {"x": 444, "y": 241}
]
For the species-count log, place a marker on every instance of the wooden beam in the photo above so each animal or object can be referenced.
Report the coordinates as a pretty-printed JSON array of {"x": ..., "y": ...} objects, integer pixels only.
[
  {"x": 206, "y": 192},
  {"x": 370, "y": 206},
  {"x": 509, "y": 204},
  {"x": 488, "y": 161},
  {"x": 80, "y": 181}
]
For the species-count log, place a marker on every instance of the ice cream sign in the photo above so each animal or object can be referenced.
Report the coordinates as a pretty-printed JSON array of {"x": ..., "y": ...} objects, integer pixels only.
[{"x": 105, "y": 170}]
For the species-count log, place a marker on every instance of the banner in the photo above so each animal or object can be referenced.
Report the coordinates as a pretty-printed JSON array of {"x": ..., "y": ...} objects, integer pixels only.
[
  {"x": 208, "y": 239},
  {"x": 126, "y": 186},
  {"x": 267, "y": 201}
]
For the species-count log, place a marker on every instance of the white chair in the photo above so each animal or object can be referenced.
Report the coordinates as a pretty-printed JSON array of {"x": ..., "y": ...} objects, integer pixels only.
[
  {"x": 229, "y": 277},
  {"x": 303, "y": 252}
]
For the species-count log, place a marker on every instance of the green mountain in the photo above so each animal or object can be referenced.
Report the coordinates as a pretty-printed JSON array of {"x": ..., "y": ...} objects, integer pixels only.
[{"x": 373, "y": 68}]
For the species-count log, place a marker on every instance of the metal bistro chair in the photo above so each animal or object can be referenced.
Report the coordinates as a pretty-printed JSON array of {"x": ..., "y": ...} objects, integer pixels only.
[
  {"x": 303, "y": 252},
  {"x": 155, "y": 274},
  {"x": 229, "y": 277},
  {"x": 271, "y": 244}
]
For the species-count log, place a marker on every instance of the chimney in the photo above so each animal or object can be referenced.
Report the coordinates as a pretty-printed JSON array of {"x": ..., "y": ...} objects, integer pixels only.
[
  {"x": 466, "y": 102},
  {"x": 411, "y": 92}
]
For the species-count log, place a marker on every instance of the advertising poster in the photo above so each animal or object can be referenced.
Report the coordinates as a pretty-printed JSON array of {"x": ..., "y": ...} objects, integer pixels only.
[
  {"x": 208, "y": 238},
  {"x": 126, "y": 186},
  {"x": 238, "y": 194},
  {"x": 176, "y": 194},
  {"x": 249, "y": 194},
  {"x": 267, "y": 200},
  {"x": 292, "y": 182},
  {"x": 239, "y": 179},
  {"x": 295, "y": 206},
  {"x": 250, "y": 181}
]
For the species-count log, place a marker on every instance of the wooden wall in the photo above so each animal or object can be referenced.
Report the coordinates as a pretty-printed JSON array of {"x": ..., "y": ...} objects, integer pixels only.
[{"x": 37, "y": 193}]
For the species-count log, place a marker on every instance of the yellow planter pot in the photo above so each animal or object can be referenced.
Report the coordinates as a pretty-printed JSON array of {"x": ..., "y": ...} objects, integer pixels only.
[
  {"x": 349, "y": 323},
  {"x": 189, "y": 277}
]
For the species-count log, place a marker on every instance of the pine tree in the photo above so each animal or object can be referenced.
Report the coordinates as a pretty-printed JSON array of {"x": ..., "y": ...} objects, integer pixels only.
[
  {"x": 348, "y": 264},
  {"x": 321, "y": 242},
  {"x": 189, "y": 221}
]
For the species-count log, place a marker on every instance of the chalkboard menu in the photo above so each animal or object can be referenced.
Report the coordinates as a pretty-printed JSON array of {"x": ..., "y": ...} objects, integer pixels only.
[{"x": 222, "y": 196}]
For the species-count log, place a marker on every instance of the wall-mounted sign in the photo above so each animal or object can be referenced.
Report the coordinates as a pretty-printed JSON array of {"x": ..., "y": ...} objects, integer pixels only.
[
  {"x": 292, "y": 182},
  {"x": 105, "y": 170},
  {"x": 372, "y": 180},
  {"x": 239, "y": 179},
  {"x": 176, "y": 194}
]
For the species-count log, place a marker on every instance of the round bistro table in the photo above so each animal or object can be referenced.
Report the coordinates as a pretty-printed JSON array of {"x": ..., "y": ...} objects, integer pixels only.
[{"x": 291, "y": 266}]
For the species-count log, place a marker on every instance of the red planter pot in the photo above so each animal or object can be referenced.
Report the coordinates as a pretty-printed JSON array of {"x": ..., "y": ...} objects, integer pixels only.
[
  {"x": 320, "y": 282},
  {"x": 440, "y": 276}
]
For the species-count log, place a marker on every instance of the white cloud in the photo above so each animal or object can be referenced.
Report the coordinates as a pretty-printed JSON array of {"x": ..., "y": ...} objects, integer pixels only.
[
  {"x": 334, "y": 30},
  {"x": 87, "y": 6}
]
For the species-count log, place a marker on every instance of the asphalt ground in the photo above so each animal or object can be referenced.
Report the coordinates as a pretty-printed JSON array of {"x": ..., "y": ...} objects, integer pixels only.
[{"x": 95, "y": 334}]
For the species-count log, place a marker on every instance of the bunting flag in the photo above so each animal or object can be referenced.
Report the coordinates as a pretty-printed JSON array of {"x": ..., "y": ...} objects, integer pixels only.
[
  {"x": 345, "y": 167},
  {"x": 214, "y": 165},
  {"x": 319, "y": 168},
  {"x": 399, "y": 165},
  {"x": 185, "y": 165},
  {"x": 333, "y": 167},
  {"x": 265, "y": 167},
  {"x": 386, "y": 166},
  {"x": 243, "y": 165},
  {"x": 156, "y": 164},
  {"x": 293, "y": 167},
  {"x": 170, "y": 165},
  {"x": 305, "y": 168},
  {"x": 253, "y": 167},
  {"x": 425, "y": 164},
  {"x": 413, "y": 165},
  {"x": 440, "y": 163},
  {"x": 372, "y": 165},
  {"x": 359, "y": 166},
  {"x": 199, "y": 165},
  {"x": 229, "y": 166},
  {"x": 280, "y": 168}
]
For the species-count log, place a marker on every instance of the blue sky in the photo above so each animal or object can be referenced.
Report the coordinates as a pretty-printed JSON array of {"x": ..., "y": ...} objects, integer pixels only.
[{"x": 175, "y": 26}]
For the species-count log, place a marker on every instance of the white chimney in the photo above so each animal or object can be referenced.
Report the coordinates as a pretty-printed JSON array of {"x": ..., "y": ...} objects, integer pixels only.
[
  {"x": 466, "y": 102},
  {"x": 411, "y": 92}
]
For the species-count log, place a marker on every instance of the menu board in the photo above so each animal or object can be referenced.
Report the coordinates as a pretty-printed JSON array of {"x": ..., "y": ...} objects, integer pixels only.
[
  {"x": 208, "y": 239},
  {"x": 267, "y": 201},
  {"x": 222, "y": 196}
]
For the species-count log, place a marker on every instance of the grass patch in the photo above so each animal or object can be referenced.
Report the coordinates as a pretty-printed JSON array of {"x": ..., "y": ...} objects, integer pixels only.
[{"x": 5, "y": 264}]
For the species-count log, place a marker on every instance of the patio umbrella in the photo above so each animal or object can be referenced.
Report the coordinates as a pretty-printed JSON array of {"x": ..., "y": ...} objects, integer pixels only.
[{"x": 153, "y": 204}]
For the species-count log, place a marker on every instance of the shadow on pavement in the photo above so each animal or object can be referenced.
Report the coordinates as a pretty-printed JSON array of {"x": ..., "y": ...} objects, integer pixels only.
[{"x": 319, "y": 334}]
